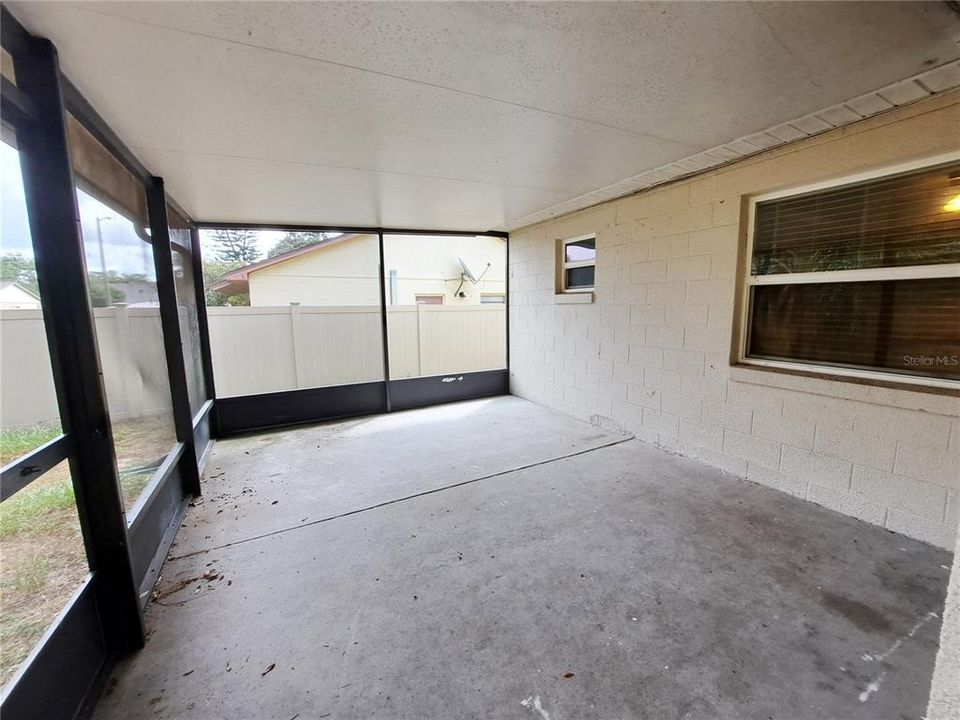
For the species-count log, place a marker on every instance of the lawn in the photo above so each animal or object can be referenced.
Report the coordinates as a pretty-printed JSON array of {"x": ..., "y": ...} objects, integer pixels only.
[{"x": 42, "y": 558}]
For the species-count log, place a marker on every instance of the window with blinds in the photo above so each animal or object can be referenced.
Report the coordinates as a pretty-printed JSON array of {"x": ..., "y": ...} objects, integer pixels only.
[{"x": 861, "y": 277}]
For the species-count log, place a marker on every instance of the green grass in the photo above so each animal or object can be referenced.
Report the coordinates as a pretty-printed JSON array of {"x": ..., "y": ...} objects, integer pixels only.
[
  {"x": 29, "y": 511},
  {"x": 16, "y": 640},
  {"x": 43, "y": 559},
  {"x": 18, "y": 441},
  {"x": 131, "y": 485},
  {"x": 29, "y": 576}
]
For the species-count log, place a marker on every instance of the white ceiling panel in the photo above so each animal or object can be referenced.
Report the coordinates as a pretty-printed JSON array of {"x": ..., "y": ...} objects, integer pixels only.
[{"x": 463, "y": 115}]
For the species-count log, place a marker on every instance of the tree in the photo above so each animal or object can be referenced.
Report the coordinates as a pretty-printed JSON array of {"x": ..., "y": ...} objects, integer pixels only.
[
  {"x": 213, "y": 272},
  {"x": 233, "y": 245},
  {"x": 296, "y": 240},
  {"x": 20, "y": 269},
  {"x": 98, "y": 295}
]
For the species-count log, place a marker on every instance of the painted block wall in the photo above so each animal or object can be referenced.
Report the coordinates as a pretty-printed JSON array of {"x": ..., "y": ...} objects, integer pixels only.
[
  {"x": 651, "y": 353},
  {"x": 945, "y": 686}
]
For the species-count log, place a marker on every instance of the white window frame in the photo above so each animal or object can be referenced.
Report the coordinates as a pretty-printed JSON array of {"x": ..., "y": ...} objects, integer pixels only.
[
  {"x": 749, "y": 281},
  {"x": 564, "y": 265}
]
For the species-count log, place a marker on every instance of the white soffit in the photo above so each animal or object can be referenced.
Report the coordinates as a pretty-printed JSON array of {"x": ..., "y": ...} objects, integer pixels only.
[
  {"x": 476, "y": 115},
  {"x": 939, "y": 80}
]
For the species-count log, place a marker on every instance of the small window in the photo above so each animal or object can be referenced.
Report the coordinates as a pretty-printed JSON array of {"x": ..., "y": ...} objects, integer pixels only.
[
  {"x": 429, "y": 299},
  {"x": 578, "y": 264},
  {"x": 492, "y": 299},
  {"x": 862, "y": 277}
]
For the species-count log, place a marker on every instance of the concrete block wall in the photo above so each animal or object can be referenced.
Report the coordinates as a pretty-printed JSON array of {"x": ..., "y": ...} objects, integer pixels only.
[
  {"x": 651, "y": 353},
  {"x": 945, "y": 686}
]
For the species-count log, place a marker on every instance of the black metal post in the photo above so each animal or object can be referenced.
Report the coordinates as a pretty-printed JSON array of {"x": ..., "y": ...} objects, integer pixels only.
[
  {"x": 383, "y": 326},
  {"x": 196, "y": 257},
  {"x": 506, "y": 299},
  {"x": 360, "y": 229},
  {"x": 71, "y": 337},
  {"x": 172, "y": 341}
]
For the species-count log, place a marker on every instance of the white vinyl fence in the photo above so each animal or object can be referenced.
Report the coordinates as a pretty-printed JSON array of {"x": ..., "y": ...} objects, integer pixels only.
[
  {"x": 255, "y": 350},
  {"x": 131, "y": 356},
  {"x": 267, "y": 349}
]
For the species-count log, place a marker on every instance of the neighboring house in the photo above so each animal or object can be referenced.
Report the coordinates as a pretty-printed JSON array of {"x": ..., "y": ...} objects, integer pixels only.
[
  {"x": 14, "y": 296},
  {"x": 343, "y": 270},
  {"x": 141, "y": 293}
]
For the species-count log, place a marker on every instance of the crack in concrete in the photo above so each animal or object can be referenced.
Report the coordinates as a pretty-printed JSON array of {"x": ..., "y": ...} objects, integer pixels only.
[{"x": 406, "y": 498}]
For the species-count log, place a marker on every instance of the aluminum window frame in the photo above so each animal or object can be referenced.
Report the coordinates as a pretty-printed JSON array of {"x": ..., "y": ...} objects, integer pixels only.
[
  {"x": 564, "y": 265},
  {"x": 124, "y": 549},
  {"x": 284, "y": 408},
  {"x": 748, "y": 281}
]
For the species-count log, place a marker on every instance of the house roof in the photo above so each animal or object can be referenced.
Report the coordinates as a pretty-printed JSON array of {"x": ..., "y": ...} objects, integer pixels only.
[
  {"x": 238, "y": 281},
  {"x": 7, "y": 283}
]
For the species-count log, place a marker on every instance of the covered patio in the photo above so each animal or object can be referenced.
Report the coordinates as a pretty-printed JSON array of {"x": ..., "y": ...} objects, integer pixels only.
[
  {"x": 494, "y": 558},
  {"x": 549, "y": 360}
]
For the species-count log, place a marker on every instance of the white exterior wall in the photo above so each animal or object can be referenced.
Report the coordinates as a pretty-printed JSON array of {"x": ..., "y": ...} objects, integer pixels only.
[
  {"x": 651, "y": 353},
  {"x": 343, "y": 273},
  {"x": 346, "y": 273}
]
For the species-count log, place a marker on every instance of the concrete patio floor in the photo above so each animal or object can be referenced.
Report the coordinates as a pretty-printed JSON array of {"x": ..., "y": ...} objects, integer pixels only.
[{"x": 495, "y": 559}]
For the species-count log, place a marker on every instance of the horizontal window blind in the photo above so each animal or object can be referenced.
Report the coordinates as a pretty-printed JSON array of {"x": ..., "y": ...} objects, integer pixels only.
[
  {"x": 905, "y": 326},
  {"x": 901, "y": 220}
]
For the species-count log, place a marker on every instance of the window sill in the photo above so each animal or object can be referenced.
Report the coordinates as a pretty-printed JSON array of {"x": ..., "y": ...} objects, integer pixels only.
[
  {"x": 926, "y": 398},
  {"x": 573, "y": 298}
]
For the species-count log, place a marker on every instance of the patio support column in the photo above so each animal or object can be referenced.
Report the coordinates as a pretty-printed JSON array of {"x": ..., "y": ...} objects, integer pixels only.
[
  {"x": 383, "y": 326},
  {"x": 172, "y": 341},
  {"x": 61, "y": 273},
  {"x": 196, "y": 257}
]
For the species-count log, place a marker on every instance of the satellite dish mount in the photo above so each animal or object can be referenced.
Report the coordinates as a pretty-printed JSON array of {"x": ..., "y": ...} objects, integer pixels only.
[{"x": 467, "y": 275}]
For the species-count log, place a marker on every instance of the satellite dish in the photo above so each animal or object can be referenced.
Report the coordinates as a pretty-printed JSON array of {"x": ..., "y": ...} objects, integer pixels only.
[{"x": 467, "y": 271}]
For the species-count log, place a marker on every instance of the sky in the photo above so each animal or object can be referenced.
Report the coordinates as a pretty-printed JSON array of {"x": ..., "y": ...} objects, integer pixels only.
[
  {"x": 266, "y": 239},
  {"x": 14, "y": 233},
  {"x": 123, "y": 250}
]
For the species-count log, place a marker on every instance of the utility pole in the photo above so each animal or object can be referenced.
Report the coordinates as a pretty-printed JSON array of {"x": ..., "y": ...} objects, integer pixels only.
[{"x": 103, "y": 259}]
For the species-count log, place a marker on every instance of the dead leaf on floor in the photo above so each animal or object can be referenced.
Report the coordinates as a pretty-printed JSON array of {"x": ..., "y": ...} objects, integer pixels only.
[
  {"x": 188, "y": 672},
  {"x": 210, "y": 575},
  {"x": 176, "y": 587},
  {"x": 270, "y": 667},
  {"x": 568, "y": 675}
]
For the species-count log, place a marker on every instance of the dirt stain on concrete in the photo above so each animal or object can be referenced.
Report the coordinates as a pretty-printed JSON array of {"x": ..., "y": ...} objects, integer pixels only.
[{"x": 860, "y": 614}]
